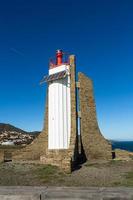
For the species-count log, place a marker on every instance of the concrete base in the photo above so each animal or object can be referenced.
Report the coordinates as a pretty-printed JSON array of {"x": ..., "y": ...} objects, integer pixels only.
[
  {"x": 54, "y": 193},
  {"x": 19, "y": 197}
]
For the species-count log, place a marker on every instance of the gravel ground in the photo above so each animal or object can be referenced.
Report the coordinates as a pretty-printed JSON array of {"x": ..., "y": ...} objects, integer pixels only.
[{"x": 100, "y": 174}]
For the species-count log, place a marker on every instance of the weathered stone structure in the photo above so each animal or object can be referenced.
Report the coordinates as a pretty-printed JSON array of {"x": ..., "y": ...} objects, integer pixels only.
[{"x": 93, "y": 144}]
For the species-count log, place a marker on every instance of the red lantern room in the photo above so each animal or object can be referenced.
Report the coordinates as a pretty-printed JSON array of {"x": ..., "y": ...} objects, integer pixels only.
[{"x": 61, "y": 59}]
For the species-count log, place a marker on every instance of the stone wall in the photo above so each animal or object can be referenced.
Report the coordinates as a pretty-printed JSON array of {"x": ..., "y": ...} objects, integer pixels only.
[{"x": 94, "y": 145}]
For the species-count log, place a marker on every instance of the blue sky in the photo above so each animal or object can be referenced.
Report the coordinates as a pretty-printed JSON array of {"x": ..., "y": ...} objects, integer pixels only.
[{"x": 98, "y": 32}]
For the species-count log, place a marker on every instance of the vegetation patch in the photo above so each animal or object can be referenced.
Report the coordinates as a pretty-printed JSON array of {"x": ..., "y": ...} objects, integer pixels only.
[
  {"x": 48, "y": 173},
  {"x": 129, "y": 179}
]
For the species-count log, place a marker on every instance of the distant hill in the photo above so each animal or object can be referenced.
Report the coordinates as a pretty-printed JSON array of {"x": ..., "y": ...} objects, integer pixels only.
[
  {"x": 9, "y": 127},
  {"x": 12, "y": 135}
]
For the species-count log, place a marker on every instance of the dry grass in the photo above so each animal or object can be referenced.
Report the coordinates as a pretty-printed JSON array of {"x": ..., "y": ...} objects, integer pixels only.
[{"x": 112, "y": 173}]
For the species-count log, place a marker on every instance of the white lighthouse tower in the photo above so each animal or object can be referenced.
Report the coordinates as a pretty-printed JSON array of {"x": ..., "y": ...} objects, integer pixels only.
[{"x": 59, "y": 106}]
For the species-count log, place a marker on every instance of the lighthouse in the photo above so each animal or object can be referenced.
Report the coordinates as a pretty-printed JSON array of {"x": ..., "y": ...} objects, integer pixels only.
[
  {"x": 59, "y": 103},
  {"x": 70, "y": 107}
]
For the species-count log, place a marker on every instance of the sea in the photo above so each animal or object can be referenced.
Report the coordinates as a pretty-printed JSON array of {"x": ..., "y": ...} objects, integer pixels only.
[{"x": 125, "y": 145}]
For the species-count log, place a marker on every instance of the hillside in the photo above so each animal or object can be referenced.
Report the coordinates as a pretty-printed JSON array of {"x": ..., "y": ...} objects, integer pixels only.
[
  {"x": 9, "y": 127},
  {"x": 12, "y": 135}
]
